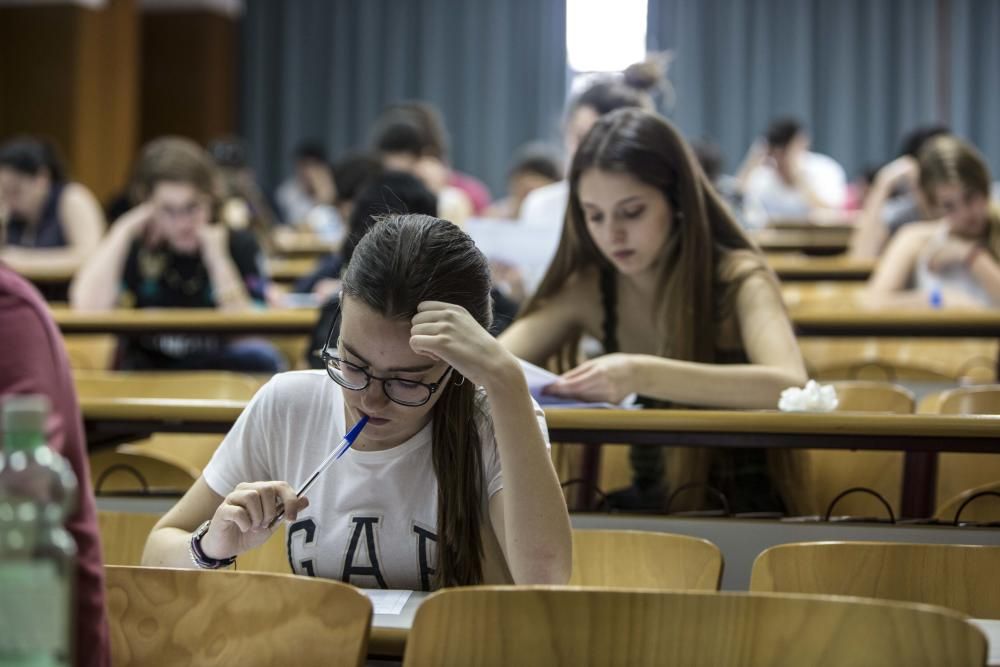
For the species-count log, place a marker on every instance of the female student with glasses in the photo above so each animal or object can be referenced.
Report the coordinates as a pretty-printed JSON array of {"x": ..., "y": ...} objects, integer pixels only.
[{"x": 453, "y": 460}]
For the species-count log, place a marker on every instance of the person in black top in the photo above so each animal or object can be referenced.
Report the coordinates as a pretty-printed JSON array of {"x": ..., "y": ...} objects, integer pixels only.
[
  {"x": 168, "y": 253},
  {"x": 51, "y": 224}
]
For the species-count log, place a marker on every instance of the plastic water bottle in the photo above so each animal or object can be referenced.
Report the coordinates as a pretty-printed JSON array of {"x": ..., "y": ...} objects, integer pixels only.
[{"x": 38, "y": 491}]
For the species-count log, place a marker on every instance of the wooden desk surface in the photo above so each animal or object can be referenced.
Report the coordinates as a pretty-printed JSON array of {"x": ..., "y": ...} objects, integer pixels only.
[
  {"x": 48, "y": 275},
  {"x": 837, "y": 309},
  {"x": 290, "y": 269},
  {"x": 298, "y": 243},
  {"x": 113, "y": 420},
  {"x": 186, "y": 320},
  {"x": 792, "y": 267},
  {"x": 971, "y": 433},
  {"x": 821, "y": 239}
]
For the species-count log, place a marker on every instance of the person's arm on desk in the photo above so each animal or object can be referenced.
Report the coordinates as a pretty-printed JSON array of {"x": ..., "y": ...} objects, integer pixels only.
[
  {"x": 97, "y": 285},
  {"x": 767, "y": 338}
]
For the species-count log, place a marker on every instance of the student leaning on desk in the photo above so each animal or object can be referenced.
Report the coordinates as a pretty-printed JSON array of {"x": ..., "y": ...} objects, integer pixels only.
[
  {"x": 952, "y": 261},
  {"x": 453, "y": 460},
  {"x": 169, "y": 253},
  {"x": 653, "y": 265}
]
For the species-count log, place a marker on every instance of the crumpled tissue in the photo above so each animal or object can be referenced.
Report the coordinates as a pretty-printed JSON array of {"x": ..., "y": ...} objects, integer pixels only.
[{"x": 814, "y": 397}]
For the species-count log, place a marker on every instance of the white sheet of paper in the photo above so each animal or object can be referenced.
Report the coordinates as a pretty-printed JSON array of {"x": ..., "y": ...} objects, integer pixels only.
[
  {"x": 387, "y": 601},
  {"x": 991, "y": 628},
  {"x": 539, "y": 378},
  {"x": 530, "y": 248}
]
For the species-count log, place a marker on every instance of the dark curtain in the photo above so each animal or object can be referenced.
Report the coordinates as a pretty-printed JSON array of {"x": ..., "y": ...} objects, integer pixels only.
[
  {"x": 324, "y": 69},
  {"x": 973, "y": 65},
  {"x": 858, "y": 73}
]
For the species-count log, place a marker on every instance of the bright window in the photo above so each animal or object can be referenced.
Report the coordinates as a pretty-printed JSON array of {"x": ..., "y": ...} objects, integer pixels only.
[{"x": 605, "y": 35}]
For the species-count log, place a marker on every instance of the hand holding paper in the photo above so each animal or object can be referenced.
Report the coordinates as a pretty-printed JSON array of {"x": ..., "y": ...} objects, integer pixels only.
[{"x": 580, "y": 388}]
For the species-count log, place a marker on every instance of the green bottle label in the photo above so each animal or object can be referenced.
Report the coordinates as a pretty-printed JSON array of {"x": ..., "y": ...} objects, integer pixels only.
[{"x": 34, "y": 611}]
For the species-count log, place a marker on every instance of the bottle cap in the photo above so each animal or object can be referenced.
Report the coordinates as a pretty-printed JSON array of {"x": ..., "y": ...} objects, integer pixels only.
[{"x": 22, "y": 419}]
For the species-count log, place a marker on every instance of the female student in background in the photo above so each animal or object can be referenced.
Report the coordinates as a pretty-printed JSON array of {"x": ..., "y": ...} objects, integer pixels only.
[
  {"x": 652, "y": 264},
  {"x": 168, "y": 253},
  {"x": 454, "y": 453},
  {"x": 51, "y": 223},
  {"x": 952, "y": 261}
]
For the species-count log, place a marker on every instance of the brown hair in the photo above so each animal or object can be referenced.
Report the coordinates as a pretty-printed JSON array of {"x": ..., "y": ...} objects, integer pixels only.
[
  {"x": 705, "y": 260},
  {"x": 707, "y": 256},
  {"x": 949, "y": 160},
  {"x": 402, "y": 261},
  {"x": 179, "y": 160}
]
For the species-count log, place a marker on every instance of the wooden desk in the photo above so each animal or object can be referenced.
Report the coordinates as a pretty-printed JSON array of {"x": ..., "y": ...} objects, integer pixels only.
[
  {"x": 837, "y": 309},
  {"x": 792, "y": 267},
  {"x": 186, "y": 320},
  {"x": 817, "y": 240},
  {"x": 296, "y": 243},
  {"x": 113, "y": 420},
  {"x": 289, "y": 269},
  {"x": 819, "y": 321},
  {"x": 49, "y": 275}
]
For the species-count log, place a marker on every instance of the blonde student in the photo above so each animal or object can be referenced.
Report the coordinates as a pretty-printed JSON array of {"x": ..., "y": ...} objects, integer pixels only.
[
  {"x": 453, "y": 460},
  {"x": 951, "y": 261},
  {"x": 653, "y": 265}
]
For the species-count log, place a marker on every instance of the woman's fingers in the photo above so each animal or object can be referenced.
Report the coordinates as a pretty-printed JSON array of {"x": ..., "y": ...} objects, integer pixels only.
[
  {"x": 291, "y": 503},
  {"x": 236, "y": 514},
  {"x": 249, "y": 500}
]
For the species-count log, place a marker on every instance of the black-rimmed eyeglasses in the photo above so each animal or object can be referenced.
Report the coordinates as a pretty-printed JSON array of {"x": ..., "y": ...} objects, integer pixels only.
[{"x": 410, "y": 393}]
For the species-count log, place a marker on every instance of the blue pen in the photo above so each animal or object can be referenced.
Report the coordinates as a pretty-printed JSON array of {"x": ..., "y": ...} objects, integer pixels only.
[{"x": 339, "y": 451}]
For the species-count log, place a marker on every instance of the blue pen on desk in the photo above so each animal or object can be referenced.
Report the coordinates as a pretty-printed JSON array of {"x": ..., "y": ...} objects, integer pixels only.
[{"x": 338, "y": 451}]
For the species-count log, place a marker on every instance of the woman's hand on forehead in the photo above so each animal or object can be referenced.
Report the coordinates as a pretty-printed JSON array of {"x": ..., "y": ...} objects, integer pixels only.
[{"x": 448, "y": 332}]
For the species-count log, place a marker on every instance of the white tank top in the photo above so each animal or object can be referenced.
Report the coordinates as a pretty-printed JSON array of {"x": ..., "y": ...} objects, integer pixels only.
[{"x": 955, "y": 277}]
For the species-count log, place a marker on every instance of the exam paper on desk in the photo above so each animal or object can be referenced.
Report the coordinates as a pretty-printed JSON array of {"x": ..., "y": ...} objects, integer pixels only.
[
  {"x": 387, "y": 601},
  {"x": 539, "y": 378}
]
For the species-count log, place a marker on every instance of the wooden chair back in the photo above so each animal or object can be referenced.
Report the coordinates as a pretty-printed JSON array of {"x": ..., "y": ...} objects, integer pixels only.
[
  {"x": 118, "y": 473},
  {"x": 573, "y": 626},
  {"x": 163, "y": 616},
  {"x": 639, "y": 559},
  {"x": 960, "y": 473},
  {"x": 90, "y": 352},
  {"x": 983, "y": 399},
  {"x": 823, "y": 474},
  {"x": 123, "y": 535},
  {"x": 960, "y": 577},
  {"x": 985, "y": 508}
]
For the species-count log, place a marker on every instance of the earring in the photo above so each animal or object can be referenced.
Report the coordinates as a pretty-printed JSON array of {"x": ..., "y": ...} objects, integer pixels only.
[{"x": 460, "y": 381}]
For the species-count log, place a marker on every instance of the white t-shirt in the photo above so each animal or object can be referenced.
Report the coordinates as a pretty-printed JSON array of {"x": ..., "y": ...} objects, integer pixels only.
[
  {"x": 546, "y": 205},
  {"x": 767, "y": 193},
  {"x": 372, "y": 516}
]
